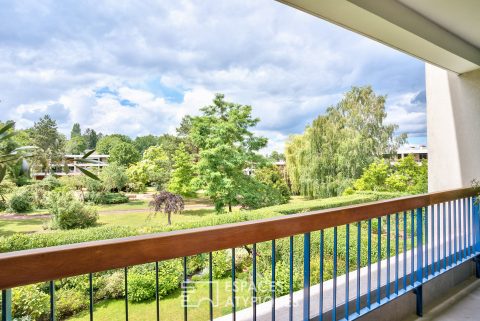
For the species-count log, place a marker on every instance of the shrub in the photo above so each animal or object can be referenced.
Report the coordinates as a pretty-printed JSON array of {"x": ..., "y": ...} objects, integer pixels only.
[
  {"x": 30, "y": 301},
  {"x": 112, "y": 286},
  {"x": 113, "y": 178},
  {"x": 141, "y": 286},
  {"x": 39, "y": 195},
  {"x": 21, "y": 201},
  {"x": 69, "y": 213},
  {"x": 221, "y": 264},
  {"x": 49, "y": 183},
  {"x": 69, "y": 302},
  {"x": 106, "y": 198}
]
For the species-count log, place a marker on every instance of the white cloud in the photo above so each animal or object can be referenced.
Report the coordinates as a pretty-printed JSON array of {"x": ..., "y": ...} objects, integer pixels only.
[{"x": 167, "y": 59}]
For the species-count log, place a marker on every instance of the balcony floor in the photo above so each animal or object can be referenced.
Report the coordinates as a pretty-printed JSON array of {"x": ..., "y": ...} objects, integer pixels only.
[{"x": 462, "y": 303}]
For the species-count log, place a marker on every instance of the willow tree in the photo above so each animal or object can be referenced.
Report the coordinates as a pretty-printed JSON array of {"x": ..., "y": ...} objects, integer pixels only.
[{"x": 337, "y": 146}]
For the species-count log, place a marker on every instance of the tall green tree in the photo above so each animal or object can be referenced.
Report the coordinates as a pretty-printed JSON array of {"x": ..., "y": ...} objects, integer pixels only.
[
  {"x": 76, "y": 131},
  {"x": 91, "y": 138},
  {"x": 227, "y": 146},
  {"x": 337, "y": 146},
  {"x": 144, "y": 142},
  {"x": 124, "y": 154},
  {"x": 154, "y": 168},
  {"x": 49, "y": 141},
  {"x": 183, "y": 173},
  {"x": 106, "y": 143},
  {"x": 76, "y": 145}
]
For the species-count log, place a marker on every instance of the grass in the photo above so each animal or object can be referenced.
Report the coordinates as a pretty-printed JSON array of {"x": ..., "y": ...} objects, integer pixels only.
[
  {"x": 171, "y": 306},
  {"x": 30, "y": 225}
]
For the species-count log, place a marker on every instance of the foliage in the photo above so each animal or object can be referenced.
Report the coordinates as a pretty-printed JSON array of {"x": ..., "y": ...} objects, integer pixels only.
[
  {"x": 69, "y": 302},
  {"x": 153, "y": 169},
  {"x": 6, "y": 187},
  {"x": 76, "y": 131},
  {"x": 405, "y": 176},
  {"x": 106, "y": 143},
  {"x": 76, "y": 145},
  {"x": 271, "y": 176},
  {"x": 183, "y": 173},
  {"x": 227, "y": 146},
  {"x": 336, "y": 148},
  {"x": 124, "y": 154},
  {"x": 167, "y": 203},
  {"x": 91, "y": 138},
  {"x": 30, "y": 301},
  {"x": 141, "y": 143},
  {"x": 21, "y": 200},
  {"x": 255, "y": 194},
  {"x": 49, "y": 142},
  {"x": 113, "y": 177},
  {"x": 276, "y": 156},
  {"x": 69, "y": 213},
  {"x": 106, "y": 198}
]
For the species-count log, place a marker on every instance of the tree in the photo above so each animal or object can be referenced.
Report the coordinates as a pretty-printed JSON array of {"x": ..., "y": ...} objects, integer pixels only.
[
  {"x": 337, "y": 146},
  {"x": 76, "y": 131},
  {"x": 271, "y": 176},
  {"x": 124, "y": 154},
  {"x": 106, "y": 143},
  {"x": 153, "y": 169},
  {"x": 144, "y": 142},
  {"x": 91, "y": 138},
  {"x": 114, "y": 177},
  {"x": 276, "y": 156},
  {"x": 227, "y": 146},
  {"x": 183, "y": 173},
  {"x": 168, "y": 203},
  {"x": 49, "y": 142},
  {"x": 76, "y": 145}
]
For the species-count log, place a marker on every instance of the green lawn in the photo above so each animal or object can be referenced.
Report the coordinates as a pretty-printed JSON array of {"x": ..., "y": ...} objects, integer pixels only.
[
  {"x": 171, "y": 307},
  {"x": 9, "y": 227}
]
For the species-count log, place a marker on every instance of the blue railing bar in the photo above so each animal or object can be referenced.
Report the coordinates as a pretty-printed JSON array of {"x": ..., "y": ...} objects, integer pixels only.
[
  {"x": 412, "y": 243},
  {"x": 7, "y": 305},
  {"x": 425, "y": 244},
  {"x": 396, "y": 250},
  {"x": 469, "y": 227},
  {"x": 450, "y": 250},
  {"x": 210, "y": 284},
  {"x": 90, "y": 295},
  {"x": 157, "y": 289},
  {"x": 273, "y": 279},
  {"x": 438, "y": 238},
  {"x": 464, "y": 227},
  {"x": 347, "y": 268},
  {"x": 290, "y": 285},
  {"x": 306, "y": 277},
  {"x": 444, "y": 205},
  {"x": 320, "y": 304},
  {"x": 404, "y": 250},
  {"x": 455, "y": 231},
  {"x": 234, "y": 290},
  {"x": 388, "y": 257},
  {"x": 369, "y": 263},
  {"x": 476, "y": 225},
  {"x": 379, "y": 257},
  {"x": 359, "y": 248},
  {"x": 52, "y": 300},
  {"x": 125, "y": 271},
  {"x": 254, "y": 278},
  {"x": 334, "y": 305},
  {"x": 419, "y": 245},
  {"x": 432, "y": 238}
]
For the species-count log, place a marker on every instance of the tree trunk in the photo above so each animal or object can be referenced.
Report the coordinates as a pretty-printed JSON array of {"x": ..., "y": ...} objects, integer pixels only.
[
  {"x": 230, "y": 207},
  {"x": 169, "y": 219}
]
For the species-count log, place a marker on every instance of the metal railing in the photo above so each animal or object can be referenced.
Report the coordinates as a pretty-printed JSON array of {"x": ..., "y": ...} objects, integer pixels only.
[{"x": 381, "y": 250}]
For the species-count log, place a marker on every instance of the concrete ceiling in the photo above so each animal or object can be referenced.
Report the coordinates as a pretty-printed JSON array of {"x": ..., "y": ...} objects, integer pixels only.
[{"x": 441, "y": 32}]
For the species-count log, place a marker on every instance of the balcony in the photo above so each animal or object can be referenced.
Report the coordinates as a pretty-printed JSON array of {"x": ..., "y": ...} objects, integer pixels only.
[{"x": 397, "y": 254}]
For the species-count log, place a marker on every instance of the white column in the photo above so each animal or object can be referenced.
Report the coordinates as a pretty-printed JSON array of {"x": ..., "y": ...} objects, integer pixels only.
[{"x": 453, "y": 128}]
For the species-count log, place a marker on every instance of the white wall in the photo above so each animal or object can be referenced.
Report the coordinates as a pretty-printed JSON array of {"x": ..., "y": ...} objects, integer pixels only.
[{"x": 453, "y": 122}]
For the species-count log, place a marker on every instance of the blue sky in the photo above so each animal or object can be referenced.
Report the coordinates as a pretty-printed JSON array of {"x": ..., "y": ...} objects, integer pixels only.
[{"x": 138, "y": 67}]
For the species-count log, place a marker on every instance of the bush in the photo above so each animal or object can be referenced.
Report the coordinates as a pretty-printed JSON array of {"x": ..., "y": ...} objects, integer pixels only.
[
  {"x": 39, "y": 195},
  {"x": 112, "y": 286},
  {"x": 113, "y": 178},
  {"x": 49, "y": 183},
  {"x": 69, "y": 302},
  {"x": 69, "y": 213},
  {"x": 30, "y": 301},
  {"x": 106, "y": 198},
  {"x": 141, "y": 286},
  {"x": 21, "y": 201}
]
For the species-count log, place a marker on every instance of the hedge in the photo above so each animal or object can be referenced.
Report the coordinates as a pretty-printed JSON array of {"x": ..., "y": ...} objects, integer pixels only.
[{"x": 19, "y": 242}]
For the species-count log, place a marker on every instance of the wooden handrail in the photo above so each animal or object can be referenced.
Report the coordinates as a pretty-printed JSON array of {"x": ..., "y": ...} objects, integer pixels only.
[{"x": 45, "y": 264}]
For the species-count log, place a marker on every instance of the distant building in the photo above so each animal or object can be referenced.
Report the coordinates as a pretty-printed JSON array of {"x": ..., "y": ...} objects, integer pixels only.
[
  {"x": 419, "y": 152},
  {"x": 70, "y": 167}
]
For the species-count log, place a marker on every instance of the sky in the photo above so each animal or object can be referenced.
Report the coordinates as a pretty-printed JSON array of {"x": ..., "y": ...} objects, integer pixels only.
[{"x": 138, "y": 67}]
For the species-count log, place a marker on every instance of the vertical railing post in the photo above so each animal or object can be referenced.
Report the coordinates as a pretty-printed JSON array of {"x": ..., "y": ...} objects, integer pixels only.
[
  {"x": 418, "y": 290},
  {"x": 306, "y": 277},
  {"x": 476, "y": 234},
  {"x": 7, "y": 305}
]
